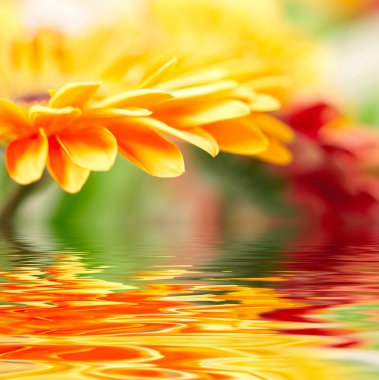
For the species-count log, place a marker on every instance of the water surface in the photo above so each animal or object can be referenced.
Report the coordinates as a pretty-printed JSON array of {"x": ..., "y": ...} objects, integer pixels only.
[{"x": 180, "y": 302}]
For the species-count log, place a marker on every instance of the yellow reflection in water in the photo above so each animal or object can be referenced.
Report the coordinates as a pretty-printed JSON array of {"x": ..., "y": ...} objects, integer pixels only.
[{"x": 61, "y": 322}]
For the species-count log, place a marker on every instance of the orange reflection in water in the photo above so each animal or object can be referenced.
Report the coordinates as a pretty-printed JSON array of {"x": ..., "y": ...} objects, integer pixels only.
[{"x": 62, "y": 322}]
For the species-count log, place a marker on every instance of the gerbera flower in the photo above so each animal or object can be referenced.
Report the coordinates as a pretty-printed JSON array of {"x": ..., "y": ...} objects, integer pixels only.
[
  {"x": 72, "y": 135},
  {"x": 212, "y": 105}
]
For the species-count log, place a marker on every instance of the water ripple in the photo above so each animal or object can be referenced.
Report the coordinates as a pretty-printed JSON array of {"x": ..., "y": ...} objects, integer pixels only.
[{"x": 259, "y": 309}]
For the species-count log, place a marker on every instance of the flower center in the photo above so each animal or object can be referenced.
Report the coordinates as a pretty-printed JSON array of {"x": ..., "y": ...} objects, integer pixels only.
[{"x": 33, "y": 98}]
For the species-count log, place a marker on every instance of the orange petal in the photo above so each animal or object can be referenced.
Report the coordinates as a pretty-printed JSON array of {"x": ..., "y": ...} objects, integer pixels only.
[
  {"x": 92, "y": 148},
  {"x": 68, "y": 175},
  {"x": 210, "y": 113},
  {"x": 74, "y": 95},
  {"x": 13, "y": 120},
  {"x": 26, "y": 158},
  {"x": 276, "y": 153},
  {"x": 239, "y": 136},
  {"x": 136, "y": 98},
  {"x": 195, "y": 136},
  {"x": 147, "y": 149},
  {"x": 273, "y": 126}
]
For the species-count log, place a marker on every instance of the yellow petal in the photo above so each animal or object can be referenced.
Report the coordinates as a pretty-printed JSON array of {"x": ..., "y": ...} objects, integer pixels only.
[
  {"x": 196, "y": 79},
  {"x": 48, "y": 112},
  {"x": 52, "y": 91},
  {"x": 239, "y": 136},
  {"x": 210, "y": 113},
  {"x": 26, "y": 158},
  {"x": 195, "y": 136},
  {"x": 199, "y": 93},
  {"x": 68, "y": 175},
  {"x": 276, "y": 153},
  {"x": 147, "y": 149},
  {"x": 273, "y": 126},
  {"x": 13, "y": 120},
  {"x": 74, "y": 95},
  {"x": 92, "y": 148},
  {"x": 269, "y": 82},
  {"x": 265, "y": 103},
  {"x": 160, "y": 74},
  {"x": 244, "y": 94},
  {"x": 136, "y": 98},
  {"x": 101, "y": 115}
]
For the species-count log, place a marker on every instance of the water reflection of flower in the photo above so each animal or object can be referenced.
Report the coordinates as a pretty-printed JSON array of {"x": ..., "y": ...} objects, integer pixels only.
[
  {"x": 333, "y": 270},
  {"x": 64, "y": 321}
]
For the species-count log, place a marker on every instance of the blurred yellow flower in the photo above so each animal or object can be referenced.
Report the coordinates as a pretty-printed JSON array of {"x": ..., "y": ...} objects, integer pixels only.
[{"x": 251, "y": 38}]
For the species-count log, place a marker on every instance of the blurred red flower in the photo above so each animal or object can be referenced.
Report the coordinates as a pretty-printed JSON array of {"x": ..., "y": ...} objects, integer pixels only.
[{"x": 334, "y": 171}]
